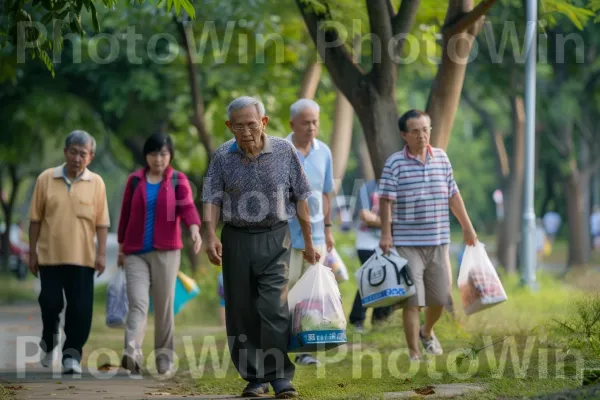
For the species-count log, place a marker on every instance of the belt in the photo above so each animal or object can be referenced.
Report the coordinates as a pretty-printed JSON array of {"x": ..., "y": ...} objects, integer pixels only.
[{"x": 258, "y": 229}]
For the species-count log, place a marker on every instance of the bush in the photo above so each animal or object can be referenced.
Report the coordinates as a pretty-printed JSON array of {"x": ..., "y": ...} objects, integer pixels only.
[{"x": 582, "y": 329}]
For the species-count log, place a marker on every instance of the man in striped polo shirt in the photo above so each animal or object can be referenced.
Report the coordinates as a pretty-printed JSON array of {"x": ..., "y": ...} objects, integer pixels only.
[{"x": 419, "y": 183}]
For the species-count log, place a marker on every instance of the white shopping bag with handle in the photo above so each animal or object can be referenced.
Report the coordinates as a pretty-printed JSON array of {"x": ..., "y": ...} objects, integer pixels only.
[
  {"x": 316, "y": 312},
  {"x": 478, "y": 282},
  {"x": 384, "y": 280}
]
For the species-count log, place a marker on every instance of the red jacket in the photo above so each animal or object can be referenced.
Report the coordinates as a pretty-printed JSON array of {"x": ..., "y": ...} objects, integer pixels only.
[{"x": 171, "y": 208}]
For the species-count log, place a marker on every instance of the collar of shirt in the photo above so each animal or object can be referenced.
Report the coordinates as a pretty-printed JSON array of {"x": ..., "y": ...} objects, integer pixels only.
[
  {"x": 314, "y": 145},
  {"x": 267, "y": 146},
  {"x": 408, "y": 155},
  {"x": 60, "y": 172}
]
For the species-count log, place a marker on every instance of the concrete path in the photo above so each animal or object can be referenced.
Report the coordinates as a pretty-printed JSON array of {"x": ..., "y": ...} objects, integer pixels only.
[{"x": 29, "y": 380}]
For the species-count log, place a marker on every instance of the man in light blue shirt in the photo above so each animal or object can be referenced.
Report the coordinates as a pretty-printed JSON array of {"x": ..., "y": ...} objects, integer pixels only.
[{"x": 315, "y": 157}]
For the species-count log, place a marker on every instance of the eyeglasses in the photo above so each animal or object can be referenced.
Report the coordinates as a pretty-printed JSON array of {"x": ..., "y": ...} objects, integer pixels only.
[{"x": 253, "y": 127}]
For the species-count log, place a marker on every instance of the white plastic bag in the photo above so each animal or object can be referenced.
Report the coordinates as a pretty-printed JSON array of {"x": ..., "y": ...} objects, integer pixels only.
[
  {"x": 384, "y": 280},
  {"x": 478, "y": 282},
  {"x": 117, "y": 305},
  {"x": 337, "y": 266},
  {"x": 317, "y": 316}
]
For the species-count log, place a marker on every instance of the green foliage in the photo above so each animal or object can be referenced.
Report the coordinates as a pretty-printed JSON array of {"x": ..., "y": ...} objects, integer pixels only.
[
  {"x": 582, "y": 328},
  {"x": 578, "y": 14}
]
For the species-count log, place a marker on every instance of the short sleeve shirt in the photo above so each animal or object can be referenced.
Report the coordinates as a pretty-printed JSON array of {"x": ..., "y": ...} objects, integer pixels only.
[
  {"x": 256, "y": 192},
  {"x": 420, "y": 193},
  {"x": 69, "y": 214}
]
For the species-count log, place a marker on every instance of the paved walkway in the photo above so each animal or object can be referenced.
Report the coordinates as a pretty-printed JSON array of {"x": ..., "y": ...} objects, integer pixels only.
[{"x": 29, "y": 380}]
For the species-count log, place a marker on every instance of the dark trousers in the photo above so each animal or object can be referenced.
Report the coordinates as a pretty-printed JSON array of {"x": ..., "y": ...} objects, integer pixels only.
[
  {"x": 255, "y": 278},
  {"x": 77, "y": 283},
  {"x": 359, "y": 313}
]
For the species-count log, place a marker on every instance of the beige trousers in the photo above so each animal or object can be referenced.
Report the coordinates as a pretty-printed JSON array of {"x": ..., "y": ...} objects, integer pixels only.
[
  {"x": 155, "y": 273},
  {"x": 431, "y": 272},
  {"x": 298, "y": 265}
]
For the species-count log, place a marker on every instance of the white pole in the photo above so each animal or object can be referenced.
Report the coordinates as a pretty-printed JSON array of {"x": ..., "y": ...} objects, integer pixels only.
[{"x": 528, "y": 269}]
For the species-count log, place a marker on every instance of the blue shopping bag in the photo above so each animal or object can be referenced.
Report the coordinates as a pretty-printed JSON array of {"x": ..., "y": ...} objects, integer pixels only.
[{"x": 185, "y": 290}]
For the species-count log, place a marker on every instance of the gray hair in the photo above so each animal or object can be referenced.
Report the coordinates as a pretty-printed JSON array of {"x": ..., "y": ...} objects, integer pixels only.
[
  {"x": 81, "y": 138},
  {"x": 301, "y": 105},
  {"x": 243, "y": 102}
]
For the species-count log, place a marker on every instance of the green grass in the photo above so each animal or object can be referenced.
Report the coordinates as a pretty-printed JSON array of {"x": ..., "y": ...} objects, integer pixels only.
[
  {"x": 364, "y": 371},
  {"x": 526, "y": 316},
  {"x": 15, "y": 291},
  {"x": 6, "y": 394}
]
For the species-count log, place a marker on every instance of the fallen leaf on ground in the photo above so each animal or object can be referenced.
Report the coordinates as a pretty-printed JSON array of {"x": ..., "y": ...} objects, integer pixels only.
[
  {"x": 425, "y": 391},
  {"x": 106, "y": 367},
  {"x": 19, "y": 387}
]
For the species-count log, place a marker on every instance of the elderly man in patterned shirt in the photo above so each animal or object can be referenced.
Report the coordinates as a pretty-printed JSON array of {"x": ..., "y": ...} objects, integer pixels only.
[
  {"x": 256, "y": 183},
  {"x": 419, "y": 181}
]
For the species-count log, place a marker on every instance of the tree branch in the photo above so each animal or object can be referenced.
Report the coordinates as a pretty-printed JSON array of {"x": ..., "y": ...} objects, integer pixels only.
[
  {"x": 390, "y": 7},
  {"x": 403, "y": 22},
  {"x": 591, "y": 169},
  {"x": 497, "y": 138},
  {"x": 585, "y": 131},
  {"x": 15, "y": 184},
  {"x": 463, "y": 21},
  {"x": 560, "y": 147},
  {"x": 345, "y": 73},
  {"x": 383, "y": 74},
  {"x": 197, "y": 119},
  {"x": 592, "y": 80},
  {"x": 2, "y": 202}
]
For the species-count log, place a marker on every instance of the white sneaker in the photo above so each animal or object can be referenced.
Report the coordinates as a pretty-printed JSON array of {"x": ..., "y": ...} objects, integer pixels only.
[
  {"x": 71, "y": 366},
  {"x": 48, "y": 359}
]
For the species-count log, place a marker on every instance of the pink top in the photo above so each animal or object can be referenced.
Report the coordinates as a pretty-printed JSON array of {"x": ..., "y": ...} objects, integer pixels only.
[{"x": 171, "y": 208}]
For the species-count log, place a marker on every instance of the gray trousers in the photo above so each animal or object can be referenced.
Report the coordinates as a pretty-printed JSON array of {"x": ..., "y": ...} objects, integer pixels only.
[
  {"x": 255, "y": 278},
  {"x": 156, "y": 273}
]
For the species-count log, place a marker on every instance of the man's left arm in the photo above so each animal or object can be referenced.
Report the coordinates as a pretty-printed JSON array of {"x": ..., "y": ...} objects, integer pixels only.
[
  {"x": 300, "y": 189},
  {"x": 102, "y": 225},
  {"x": 328, "y": 189},
  {"x": 457, "y": 206}
]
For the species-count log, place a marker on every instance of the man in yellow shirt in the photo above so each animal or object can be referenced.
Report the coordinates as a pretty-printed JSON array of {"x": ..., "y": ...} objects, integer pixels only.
[{"x": 68, "y": 209}]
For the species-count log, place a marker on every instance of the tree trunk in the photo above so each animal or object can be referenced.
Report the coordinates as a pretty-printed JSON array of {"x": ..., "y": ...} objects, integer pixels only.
[
  {"x": 461, "y": 26},
  {"x": 550, "y": 175},
  {"x": 311, "y": 80},
  {"x": 513, "y": 193},
  {"x": 197, "y": 118},
  {"x": 596, "y": 189},
  {"x": 341, "y": 139},
  {"x": 372, "y": 95},
  {"x": 586, "y": 195},
  {"x": 136, "y": 146},
  {"x": 379, "y": 120},
  {"x": 573, "y": 186},
  {"x": 364, "y": 158}
]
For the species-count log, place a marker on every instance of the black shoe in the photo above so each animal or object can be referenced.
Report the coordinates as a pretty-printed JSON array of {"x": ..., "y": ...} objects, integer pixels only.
[
  {"x": 254, "y": 389},
  {"x": 129, "y": 364},
  {"x": 284, "y": 389}
]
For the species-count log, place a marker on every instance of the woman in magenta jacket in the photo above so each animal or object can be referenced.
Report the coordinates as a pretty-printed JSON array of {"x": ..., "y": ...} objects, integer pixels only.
[{"x": 156, "y": 199}]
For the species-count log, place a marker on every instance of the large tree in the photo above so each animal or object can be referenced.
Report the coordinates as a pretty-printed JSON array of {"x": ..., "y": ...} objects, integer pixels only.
[{"x": 372, "y": 93}]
